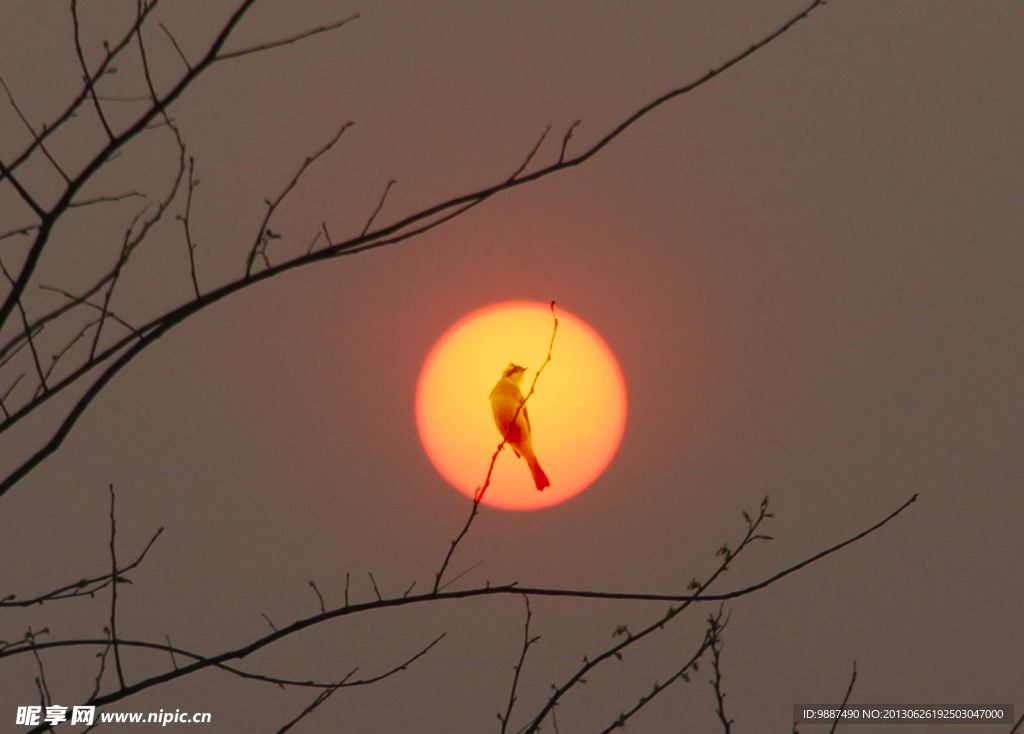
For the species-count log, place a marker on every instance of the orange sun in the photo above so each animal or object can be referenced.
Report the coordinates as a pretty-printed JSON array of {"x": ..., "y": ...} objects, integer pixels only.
[{"x": 577, "y": 412}]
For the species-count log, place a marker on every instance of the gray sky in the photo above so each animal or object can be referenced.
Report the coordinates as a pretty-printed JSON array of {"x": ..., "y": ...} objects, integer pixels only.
[{"x": 809, "y": 269}]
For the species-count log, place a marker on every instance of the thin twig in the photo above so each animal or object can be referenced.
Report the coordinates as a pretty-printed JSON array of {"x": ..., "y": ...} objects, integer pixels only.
[
  {"x": 286, "y": 41},
  {"x": 264, "y": 235},
  {"x": 32, "y": 347},
  {"x": 185, "y": 219},
  {"x": 177, "y": 48},
  {"x": 1016, "y": 727},
  {"x": 174, "y": 661},
  {"x": 103, "y": 667},
  {"x": 35, "y": 137},
  {"x": 67, "y": 347},
  {"x": 82, "y": 300},
  {"x": 19, "y": 231},
  {"x": 449, "y": 583},
  {"x": 86, "y": 76},
  {"x": 319, "y": 596},
  {"x": 327, "y": 693},
  {"x": 3, "y": 398},
  {"x": 126, "y": 249},
  {"x": 28, "y": 335},
  {"x": 345, "y": 682},
  {"x": 528, "y": 641},
  {"x": 140, "y": 6},
  {"x": 683, "y": 673},
  {"x": 44, "y": 689},
  {"x": 8, "y": 173},
  {"x": 846, "y": 699},
  {"x": 615, "y": 651},
  {"x": 132, "y": 241},
  {"x": 380, "y": 205},
  {"x": 316, "y": 239},
  {"x": 566, "y": 139},
  {"x": 478, "y": 496},
  {"x": 716, "y": 682},
  {"x": 321, "y": 697},
  {"x": 114, "y": 579},
  {"x": 375, "y": 589},
  {"x": 530, "y": 155},
  {"x": 85, "y": 587},
  {"x": 104, "y": 199}
]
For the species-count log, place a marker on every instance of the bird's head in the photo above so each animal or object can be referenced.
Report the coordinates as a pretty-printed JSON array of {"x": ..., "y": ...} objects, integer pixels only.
[{"x": 514, "y": 373}]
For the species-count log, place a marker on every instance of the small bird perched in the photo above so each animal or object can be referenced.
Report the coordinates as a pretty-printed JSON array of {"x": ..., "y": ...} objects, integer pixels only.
[{"x": 506, "y": 398}]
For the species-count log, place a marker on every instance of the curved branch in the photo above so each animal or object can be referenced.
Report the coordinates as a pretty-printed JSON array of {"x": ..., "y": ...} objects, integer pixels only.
[
  {"x": 711, "y": 639},
  {"x": 427, "y": 598},
  {"x": 328, "y": 688},
  {"x": 285, "y": 41},
  {"x": 85, "y": 587},
  {"x": 409, "y": 226}
]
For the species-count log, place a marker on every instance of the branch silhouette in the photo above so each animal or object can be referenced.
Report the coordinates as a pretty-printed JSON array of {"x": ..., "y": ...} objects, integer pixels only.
[
  {"x": 223, "y": 660},
  {"x": 33, "y": 377},
  {"x": 105, "y": 361},
  {"x": 846, "y": 699},
  {"x": 478, "y": 496}
]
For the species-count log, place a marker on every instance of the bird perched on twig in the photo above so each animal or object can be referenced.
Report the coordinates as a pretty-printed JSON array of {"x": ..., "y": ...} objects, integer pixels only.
[{"x": 506, "y": 399}]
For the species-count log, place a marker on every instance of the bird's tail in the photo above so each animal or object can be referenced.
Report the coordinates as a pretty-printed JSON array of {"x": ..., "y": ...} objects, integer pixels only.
[{"x": 540, "y": 479}]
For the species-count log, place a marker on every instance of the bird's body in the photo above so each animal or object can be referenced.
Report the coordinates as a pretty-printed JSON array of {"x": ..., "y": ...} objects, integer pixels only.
[{"x": 513, "y": 421}]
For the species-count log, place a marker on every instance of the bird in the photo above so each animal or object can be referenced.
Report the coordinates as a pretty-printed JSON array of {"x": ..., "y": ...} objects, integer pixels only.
[{"x": 506, "y": 399}]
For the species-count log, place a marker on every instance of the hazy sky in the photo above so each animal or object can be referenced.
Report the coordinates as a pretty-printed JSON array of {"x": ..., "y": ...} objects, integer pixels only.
[{"x": 810, "y": 270}]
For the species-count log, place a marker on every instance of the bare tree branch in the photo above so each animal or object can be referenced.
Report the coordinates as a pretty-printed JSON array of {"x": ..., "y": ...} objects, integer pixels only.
[
  {"x": 114, "y": 580},
  {"x": 286, "y": 41},
  {"x": 615, "y": 651},
  {"x": 32, "y": 132},
  {"x": 846, "y": 699},
  {"x": 19, "y": 231},
  {"x": 177, "y": 48},
  {"x": 1016, "y": 727},
  {"x": 375, "y": 589},
  {"x": 566, "y": 139},
  {"x": 82, "y": 300},
  {"x": 428, "y": 598},
  {"x": 529, "y": 156},
  {"x": 528, "y": 641},
  {"x": 7, "y": 392},
  {"x": 410, "y": 226},
  {"x": 380, "y": 205},
  {"x": 321, "y": 697},
  {"x": 345, "y": 682},
  {"x": 716, "y": 682},
  {"x": 264, "y": 235},
  {"x": 6, "y": 172},
  {"x": 49, "y": 218},
  {"x": 85, "y": 587},
  {"x": 90, "y": 83},
  {"x": 102, "y": 199},
  {"x": 185, "y": 219},
  {"x": 479, "y": 495},
  {"x": 319, "y": 596},
  {"x": 711, "y": 637},
  {"x": 112, "y": 53}
]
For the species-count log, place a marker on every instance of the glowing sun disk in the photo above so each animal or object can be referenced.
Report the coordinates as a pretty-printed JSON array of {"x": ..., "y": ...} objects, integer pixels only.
[{"x": 577, "y": 413}]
